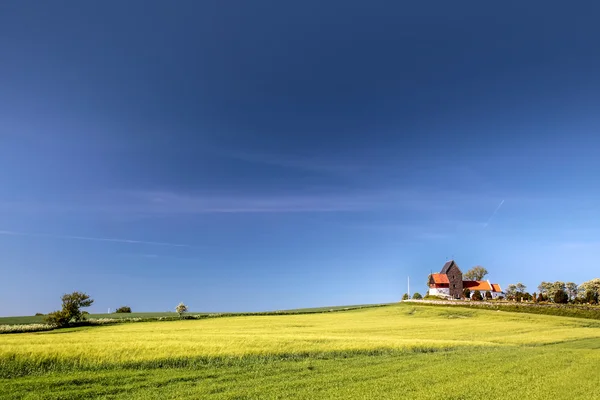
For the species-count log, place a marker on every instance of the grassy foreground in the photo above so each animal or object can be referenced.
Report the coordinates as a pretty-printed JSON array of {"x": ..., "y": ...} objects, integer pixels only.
[{"x": 400, "y": 351}]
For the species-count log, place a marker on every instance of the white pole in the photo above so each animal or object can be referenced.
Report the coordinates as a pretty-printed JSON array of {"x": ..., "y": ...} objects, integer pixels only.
[{"x": 109, "y": 310}]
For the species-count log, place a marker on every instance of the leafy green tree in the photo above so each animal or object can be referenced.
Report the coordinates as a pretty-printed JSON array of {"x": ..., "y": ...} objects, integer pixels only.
[
  {"x": 511, "y": 291},
  {"x": 572, "y": 290},
  {"x": 405, "y": 296},
  {"x": 544, "y": 288},
  {"x": 417, "y": 296},
  {"x": 592, "y": 286},
  {"x": 477, "y": 296},
  {"x": 541, "y": 298},
  {"x": 181, "y": 309},
  {"x": 71, "y": 309},
  {"x": 591, "y": 297},
  {"x": 124, "y": 309},
  {"x": 476, "y": 273}
]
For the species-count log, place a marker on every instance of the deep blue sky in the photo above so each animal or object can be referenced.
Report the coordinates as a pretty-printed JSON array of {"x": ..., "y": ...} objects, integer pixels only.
[{"x": 254, "y": 155}]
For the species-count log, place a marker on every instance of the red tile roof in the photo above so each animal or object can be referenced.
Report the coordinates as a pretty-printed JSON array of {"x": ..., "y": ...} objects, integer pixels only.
[
  {"x": 476, "y": 285},
  {"x": 440, "y": 278},
  {"x": 496, "y": 287}
]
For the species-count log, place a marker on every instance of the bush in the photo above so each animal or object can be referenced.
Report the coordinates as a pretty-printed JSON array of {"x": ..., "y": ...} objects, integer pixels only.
[
  {"x": 39, "y": 314},
  {"x": 561, "y": 297},
  {"x": 467, "y": 293},
  {"x": 488, "y": 295},
  {"x": 124, "y": 309},
  {"x": 591, "y": 297},
  {"x": 540, "y": 298},
  {"x": 477, "y": 296},
  {"x": 57, "y": 318},
  {"x": 417, "y": 296},
  {"x": 405, "y": 296}
]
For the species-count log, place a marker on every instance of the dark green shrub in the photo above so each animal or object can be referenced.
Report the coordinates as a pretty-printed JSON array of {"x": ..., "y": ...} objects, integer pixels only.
[
  {"x": 488, "y": 295},
  {"x": 39, "y": 314},
  {"x": 57, "y": 318},
  {"x": 405, "y": 296},
  {"x": 561, "y": 297},
  {"x": 467, "y": 293},
  {"x": 124, "y": 309},
  {"x": 417, "y": 296},
  {"x": 477, "y": 296},
  {"x": 591, "y": 297}
]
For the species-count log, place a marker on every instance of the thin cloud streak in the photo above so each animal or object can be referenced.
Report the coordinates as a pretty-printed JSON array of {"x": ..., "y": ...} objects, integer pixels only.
[
  {"x": 95, "y": 239},
  {"x": 494, "y": 213}
]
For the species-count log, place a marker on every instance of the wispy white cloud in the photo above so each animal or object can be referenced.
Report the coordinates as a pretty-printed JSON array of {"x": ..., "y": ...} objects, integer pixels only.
[
  {"x": 492, "y": 216},
  {"x": 157, "y": 203},
  {"x": 95, "y": 239}
]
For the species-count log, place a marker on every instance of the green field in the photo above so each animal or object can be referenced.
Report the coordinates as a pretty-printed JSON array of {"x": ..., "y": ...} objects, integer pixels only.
[
  {"x": 39, "y": 319},
  {"x": 400, "y": 351}
]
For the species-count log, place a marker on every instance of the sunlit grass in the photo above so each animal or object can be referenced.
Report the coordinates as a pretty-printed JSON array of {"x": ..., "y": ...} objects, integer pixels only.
[{"x": 364, "y": 349}]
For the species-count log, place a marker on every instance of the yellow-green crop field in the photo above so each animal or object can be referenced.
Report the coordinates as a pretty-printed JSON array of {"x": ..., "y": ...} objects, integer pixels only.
[{"x": 402, "y": 351}]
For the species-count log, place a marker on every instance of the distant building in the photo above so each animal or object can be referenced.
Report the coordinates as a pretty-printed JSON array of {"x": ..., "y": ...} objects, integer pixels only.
[{"x": 449, "y": 283}]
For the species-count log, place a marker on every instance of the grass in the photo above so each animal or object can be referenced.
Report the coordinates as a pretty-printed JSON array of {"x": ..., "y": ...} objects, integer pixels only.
[
  {"x": 563, "y": 310},
  {"x": 39, "y": 319},
  {"x": 400, "y": 351}
]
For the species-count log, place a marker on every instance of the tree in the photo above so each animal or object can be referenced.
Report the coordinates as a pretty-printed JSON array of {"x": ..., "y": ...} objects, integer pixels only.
[
  {"x": 475, "y": 274},
  {"x": 488, "y": 295},
  {"x": 591, "y": 297},
  {"x": 124, "y": 309},
  {"x": 417, "y": 296},
  {"x": 180, "y": 309},
  {"x": 592, "y": 286},
  {"x": 71, "y": 309},
  {"x": 477, "y": 296},
  {"x": 520, "y": 287},
  {"x": 557, "y": 286},
  {"x": 511, "y": 291},
  {"x": 467, "y": 293},
  {"x": 572, "y": 290},
  {"x": 405, "y": 296},
  {"x": 540, "y": 298},
  {"x": 544, "y": 288},
  {"x": 561, "y": 297}
]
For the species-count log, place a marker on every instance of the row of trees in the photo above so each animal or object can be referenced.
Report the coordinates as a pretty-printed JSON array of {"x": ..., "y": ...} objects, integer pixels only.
[
  {"x": 72, "y": 304},
  {"x": 557, "y": 292}
]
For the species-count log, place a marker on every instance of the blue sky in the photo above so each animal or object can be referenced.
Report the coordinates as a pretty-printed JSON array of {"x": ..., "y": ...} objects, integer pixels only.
[{"x": 244, "y": 156}]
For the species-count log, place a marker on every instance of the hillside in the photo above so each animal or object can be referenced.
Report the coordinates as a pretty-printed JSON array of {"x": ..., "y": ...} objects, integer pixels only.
[{"x": 386, "y": 352}]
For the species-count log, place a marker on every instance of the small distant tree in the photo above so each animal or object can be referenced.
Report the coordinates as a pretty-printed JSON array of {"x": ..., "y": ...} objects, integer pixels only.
[
  {"x": 572, "y": 290},
  {"x": 591, "y": 297},
  {"x": 71, "y": 309},
  {"x": 467, "y": 293},
  {"x": 38, "y": 314},
  {"x": 534, "y": 297},
  {"x": 181, "y": 309},
  {"x": 561, "y": 297},
  {"x": 540, "y": 298},
  {"x": 405, "y": 296},
  {"x": 477, "y": 296},
  {"x": 511, "y": 292},
  {"x": 488, "y": 295},
  {"x": 124, "y": 309},
  {"x": 476, "y": 273},
  {"x": 417, "y": 296}
]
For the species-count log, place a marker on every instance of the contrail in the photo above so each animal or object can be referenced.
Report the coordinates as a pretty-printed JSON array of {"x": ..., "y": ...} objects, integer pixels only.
[
  {"x": 95, "y": 239},
  {"x": 494, "y": 213}
]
